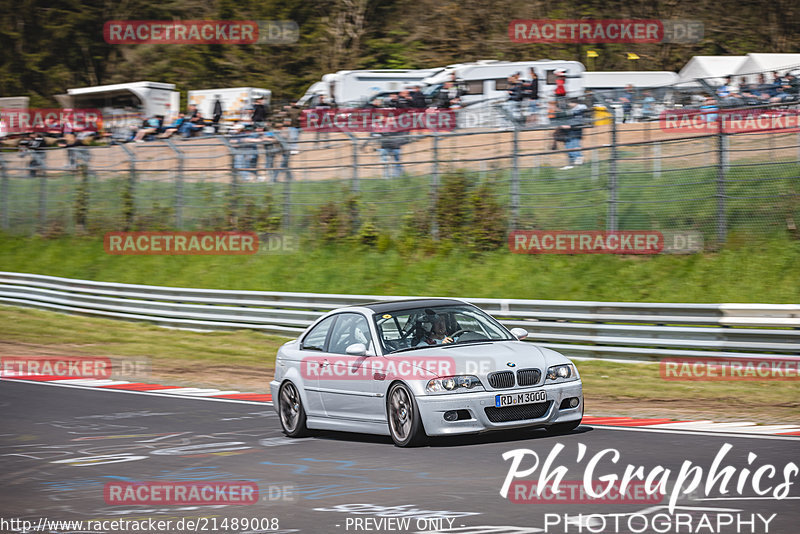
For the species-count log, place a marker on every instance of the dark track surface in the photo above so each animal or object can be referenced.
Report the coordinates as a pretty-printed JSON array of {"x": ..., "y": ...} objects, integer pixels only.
[{"x": 183, "y": 439}]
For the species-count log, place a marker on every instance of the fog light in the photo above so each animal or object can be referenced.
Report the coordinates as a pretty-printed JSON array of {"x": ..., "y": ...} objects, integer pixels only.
[
  {"x": 450, "y": 415},
  {"x": 573, "y": 402}
]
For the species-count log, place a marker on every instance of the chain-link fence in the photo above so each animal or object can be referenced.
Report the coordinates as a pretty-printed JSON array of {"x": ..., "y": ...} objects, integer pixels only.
[{"x": 640, "y": 176}]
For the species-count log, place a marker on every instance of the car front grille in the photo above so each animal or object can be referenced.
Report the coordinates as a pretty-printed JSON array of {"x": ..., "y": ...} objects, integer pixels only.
[
  {"x": 528, "y": 377},
  {"x": 517, "y": 413},
  {"x": 501, "y": 380}
]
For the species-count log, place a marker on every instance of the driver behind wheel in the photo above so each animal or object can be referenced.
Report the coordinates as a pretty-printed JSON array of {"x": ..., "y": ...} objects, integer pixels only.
[{"x": 434, "y": 330}]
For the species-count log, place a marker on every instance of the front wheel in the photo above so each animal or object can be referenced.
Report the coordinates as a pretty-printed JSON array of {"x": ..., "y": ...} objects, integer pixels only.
[
  {"x": 292, "y": 413},
  {"x": 405, "y": 424}
]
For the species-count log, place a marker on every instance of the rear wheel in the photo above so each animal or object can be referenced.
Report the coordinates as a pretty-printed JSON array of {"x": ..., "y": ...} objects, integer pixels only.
[
  {"x": 292, "y": 414},
  {"x": 405, "y": 424}
]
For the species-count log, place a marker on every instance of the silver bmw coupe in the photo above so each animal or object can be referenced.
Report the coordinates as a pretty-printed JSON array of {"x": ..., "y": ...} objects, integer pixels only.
[{"x": 423, "y": 367}]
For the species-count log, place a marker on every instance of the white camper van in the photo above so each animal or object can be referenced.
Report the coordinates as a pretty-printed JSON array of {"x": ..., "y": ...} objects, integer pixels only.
[
  {"x": 351, "y": 88},
  {"x": 146, "y": 98},
  {"x": 237, "y": 102},
  {"x": 484, "y": 85},
  {"x": 125, "y": 105}
]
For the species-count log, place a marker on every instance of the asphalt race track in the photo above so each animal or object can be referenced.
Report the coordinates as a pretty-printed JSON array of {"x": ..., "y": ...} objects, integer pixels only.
[{"x": 60, "y": 447}]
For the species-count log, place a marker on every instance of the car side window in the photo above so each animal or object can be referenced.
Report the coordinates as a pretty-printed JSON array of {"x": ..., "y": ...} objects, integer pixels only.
[
  {"x": 349, "y": 329},
  {"x": 315, "y": 339}
]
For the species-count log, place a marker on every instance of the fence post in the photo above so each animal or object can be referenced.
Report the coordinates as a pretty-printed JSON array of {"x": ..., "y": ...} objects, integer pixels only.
[
  {"x": 129, "y": 195},
  {"x": 233, "y": 192},
  {"x": 82, "y": 194},
  {"x": 611, "y": 224},
  {"x": 657, "y": 160},
  {"x": 178, "y": 185},
  {"x": 4, "y": 218},
  {"x": 514, "y": 219},
  {"x": 595, "y": 164},
  {"x": 722, "y": 167},
  {"x": 435, "y": 186},
  {"x": 286, "y": 221},
  {"x": 41, "y": 169}
]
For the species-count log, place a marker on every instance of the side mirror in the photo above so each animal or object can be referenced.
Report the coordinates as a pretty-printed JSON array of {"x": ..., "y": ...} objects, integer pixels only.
[
  {"x": 519, "y": 333},
  {"x": 358, "y": 349}
]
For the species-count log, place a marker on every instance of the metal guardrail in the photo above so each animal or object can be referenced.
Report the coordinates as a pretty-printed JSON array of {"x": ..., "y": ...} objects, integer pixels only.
[{"x": 605, "y": 330}]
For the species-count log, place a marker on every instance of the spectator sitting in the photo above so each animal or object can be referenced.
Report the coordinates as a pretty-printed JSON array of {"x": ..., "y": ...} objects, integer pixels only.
[
  {"x": 170, "y": 129},
  {"x": 151, "y": 126},
  {"x": 195, "y": 122}
]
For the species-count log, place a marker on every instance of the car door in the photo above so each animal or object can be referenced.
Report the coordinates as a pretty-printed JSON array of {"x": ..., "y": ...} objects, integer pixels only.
[
  {"x": 350, "y": 388},
  {"x": 312, "y": 361}
]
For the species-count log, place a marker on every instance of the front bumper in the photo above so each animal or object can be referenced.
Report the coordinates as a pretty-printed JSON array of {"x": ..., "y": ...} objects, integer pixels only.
[{"x": 433, "y": 407}]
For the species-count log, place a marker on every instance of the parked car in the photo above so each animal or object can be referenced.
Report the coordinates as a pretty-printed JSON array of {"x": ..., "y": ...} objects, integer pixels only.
[{"x": 423, "y": 367}]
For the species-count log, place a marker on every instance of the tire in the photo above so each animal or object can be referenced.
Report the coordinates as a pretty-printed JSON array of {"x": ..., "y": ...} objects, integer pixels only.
[
  {"x": 405, "y": 424},
  {"x": 291, "y": 411},
  {"x": 563, "y": 428}
]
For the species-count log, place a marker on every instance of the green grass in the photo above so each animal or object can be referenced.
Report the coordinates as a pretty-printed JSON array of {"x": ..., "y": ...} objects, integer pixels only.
[
  {"x": 744, "y": 271},
  {"x": 105, "y": 337}
]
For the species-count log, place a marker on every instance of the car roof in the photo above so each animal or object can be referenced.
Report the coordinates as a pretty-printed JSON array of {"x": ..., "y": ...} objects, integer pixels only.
[{"x": 397, "y": 305}]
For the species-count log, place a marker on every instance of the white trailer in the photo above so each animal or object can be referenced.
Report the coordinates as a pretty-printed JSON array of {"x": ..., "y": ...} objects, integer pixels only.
[
  {"x": 144, "y": 98},
  {"x": 237, "y": 102},
  {"x": 355, "y": 87}
]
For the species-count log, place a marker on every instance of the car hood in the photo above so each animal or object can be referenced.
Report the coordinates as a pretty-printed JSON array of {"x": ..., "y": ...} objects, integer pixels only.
[{"x": 480, "y": 359}]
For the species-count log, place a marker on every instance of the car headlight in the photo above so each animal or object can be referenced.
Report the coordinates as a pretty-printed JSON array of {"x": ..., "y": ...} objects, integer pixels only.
[
  {"x": 454, "y": 383},
  {"x": 562, "y": 372}
]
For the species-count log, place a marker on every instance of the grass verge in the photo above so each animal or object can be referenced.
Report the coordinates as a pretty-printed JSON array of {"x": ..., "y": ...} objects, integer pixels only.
[{"x": 744, "y": 271}]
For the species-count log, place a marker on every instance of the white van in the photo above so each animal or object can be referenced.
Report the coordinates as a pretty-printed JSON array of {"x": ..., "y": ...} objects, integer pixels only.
[
  {"x": 352, "y": 88},
  {"x": 237, "y": 102},
  {"x": 484, "y": 84}
]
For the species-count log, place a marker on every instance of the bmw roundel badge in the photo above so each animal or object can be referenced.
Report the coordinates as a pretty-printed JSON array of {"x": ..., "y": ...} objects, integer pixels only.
[{"x": 511, "y": 364}]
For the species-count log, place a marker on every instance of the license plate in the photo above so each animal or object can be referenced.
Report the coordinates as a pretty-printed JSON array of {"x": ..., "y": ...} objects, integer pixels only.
[{"x": 515, "y": 399}]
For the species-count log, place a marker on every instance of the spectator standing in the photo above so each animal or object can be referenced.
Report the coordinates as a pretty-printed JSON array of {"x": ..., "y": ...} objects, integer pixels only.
[
  {"x": 259, "y": 116},
  {"x": 293, "y": 113},
  {"x": 322, "y": 105},
  {"x": 530, "y": 94},
  {"x": 647, "y": 105},
  {"x": 217, "y": 112},
  {"x": 577, "y": 112},
  {"x": 514, "y": 92},
  {"x": 33, "y": 146},
  {"x": 627, "y": 103},
  {"x": 389, "y": 149},
  {"x": 245, "y": 151},
  {"x": 418, "y": 99},
  {"x": 561, "y": 87}
]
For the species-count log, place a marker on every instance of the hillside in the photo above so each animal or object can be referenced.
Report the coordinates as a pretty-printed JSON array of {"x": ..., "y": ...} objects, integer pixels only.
[{"x": 47, "y": 47}]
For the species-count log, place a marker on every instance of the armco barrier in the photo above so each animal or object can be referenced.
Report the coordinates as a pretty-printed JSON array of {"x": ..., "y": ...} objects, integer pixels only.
[{"x": 606, "y": 330}]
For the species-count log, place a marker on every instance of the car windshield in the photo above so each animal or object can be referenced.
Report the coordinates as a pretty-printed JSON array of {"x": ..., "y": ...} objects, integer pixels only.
[{"x": 436, "y": 325}]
